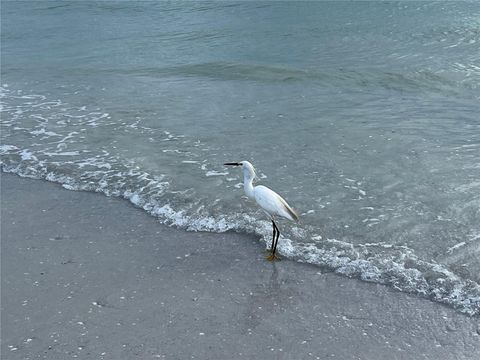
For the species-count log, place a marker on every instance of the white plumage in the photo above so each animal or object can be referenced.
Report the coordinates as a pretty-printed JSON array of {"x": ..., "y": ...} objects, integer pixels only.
[
  {"x": 270, "y": 202},
  {"x": 273, "y": 204}
]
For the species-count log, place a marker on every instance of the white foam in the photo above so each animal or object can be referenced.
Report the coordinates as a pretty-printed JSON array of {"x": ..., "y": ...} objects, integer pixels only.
[
  {"x": 6, "y": 148},
  {"x": 370, "y": 219},
  {"x": 65, "y": 153},
  {"x": 215, "y": 173},
  {"x": 27, "y": 155},
  {"x": 42, "y": 131},
  {"x": 455, "y": 247},
  {"x": 475, "y": 237}
]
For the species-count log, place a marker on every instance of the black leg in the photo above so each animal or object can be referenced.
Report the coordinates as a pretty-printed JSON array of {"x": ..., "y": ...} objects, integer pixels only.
[
  {"x": 276, "y": 240},
  {"x": 276, "y": 235},
  {"x": 273, "y": 236}
]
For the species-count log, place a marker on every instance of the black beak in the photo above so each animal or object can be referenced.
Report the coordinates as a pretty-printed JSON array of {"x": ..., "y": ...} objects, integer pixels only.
[{"x": 233, "y": 164}]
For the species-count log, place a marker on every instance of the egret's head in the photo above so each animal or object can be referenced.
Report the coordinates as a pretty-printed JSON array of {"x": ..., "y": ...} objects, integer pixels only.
[{"x": 248, "y": 169}]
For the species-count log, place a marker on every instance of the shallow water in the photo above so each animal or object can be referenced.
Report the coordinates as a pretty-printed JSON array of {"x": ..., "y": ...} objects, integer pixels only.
[{"x": 364, "y": 116}]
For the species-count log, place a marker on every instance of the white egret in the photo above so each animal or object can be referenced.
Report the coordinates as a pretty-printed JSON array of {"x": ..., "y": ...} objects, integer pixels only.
[{"x": 270, "y": 202}]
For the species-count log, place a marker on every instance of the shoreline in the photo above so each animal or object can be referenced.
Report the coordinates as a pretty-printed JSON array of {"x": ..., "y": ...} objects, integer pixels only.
[{"x": 93, "y": 277}]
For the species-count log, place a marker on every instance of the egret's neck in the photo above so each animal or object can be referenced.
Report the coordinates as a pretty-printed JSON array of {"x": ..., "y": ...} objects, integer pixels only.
[{"x": 248, "y": 185}]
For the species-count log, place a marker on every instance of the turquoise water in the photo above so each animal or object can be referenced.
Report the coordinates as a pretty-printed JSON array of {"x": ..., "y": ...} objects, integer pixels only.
[{"x": 363, "y": 115}]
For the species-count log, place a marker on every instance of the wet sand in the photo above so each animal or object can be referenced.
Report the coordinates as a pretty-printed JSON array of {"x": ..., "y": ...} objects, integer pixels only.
[{"x": 89, "y": 277}]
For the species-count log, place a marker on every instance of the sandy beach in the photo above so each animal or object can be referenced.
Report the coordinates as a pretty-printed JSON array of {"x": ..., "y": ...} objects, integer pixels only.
[{"x": 90, "y": 277}]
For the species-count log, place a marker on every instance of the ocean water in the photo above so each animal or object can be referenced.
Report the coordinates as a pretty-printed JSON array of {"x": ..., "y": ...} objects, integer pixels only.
[{"x": 365, "y": 116}]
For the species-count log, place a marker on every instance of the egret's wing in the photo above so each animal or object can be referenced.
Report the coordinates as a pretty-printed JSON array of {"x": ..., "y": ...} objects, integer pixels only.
[
  {"x": 290, "y": 211},
  {"x": 273, "y": 203}
]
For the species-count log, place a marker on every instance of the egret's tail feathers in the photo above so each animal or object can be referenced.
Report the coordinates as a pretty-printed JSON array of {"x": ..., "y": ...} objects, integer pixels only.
[{"x": 294, "y": 214}]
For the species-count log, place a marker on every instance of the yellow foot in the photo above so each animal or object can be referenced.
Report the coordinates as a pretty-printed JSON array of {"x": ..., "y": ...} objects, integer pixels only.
[{"x": 273, "y": 257}]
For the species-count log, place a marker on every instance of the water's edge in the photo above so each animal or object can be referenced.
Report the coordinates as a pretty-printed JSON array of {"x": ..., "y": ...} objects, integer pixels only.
[{"x": 464, "y": 296}]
